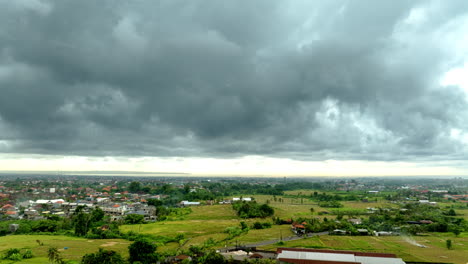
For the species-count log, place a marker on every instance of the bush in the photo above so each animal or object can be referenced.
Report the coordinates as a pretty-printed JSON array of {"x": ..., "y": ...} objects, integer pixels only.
[
  {"x": 15, "y": 257},
  {"x": 234, "y": 231},
  {"x": 27, "y": 254},
  {"x": 134, "y": 219},
  {"x": 103, "y": 257},
  {"x": 330, "y": 204},
  {"x": 15, "y": 254},
  {"x": 252, "y": 209},
  {"x": 258, "y": 225}
]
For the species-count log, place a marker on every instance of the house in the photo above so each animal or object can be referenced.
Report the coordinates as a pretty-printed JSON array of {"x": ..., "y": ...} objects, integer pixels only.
[
  {"x": 339, "y": 232},
  {"x": 187, "y": 203},
  {"x": 383, "y": 233},
  {"x": 31, "y": 214},
  {"x": 298, "y": 228},
  {"x": 12, "y": 214},
  {"x": 323, "y": 256},
  {"x": 355, "y": 221},
  {"x": 363, "y": 232},
  {"x": 241, "y": 255},
  {"x": 244, "y": 199}
]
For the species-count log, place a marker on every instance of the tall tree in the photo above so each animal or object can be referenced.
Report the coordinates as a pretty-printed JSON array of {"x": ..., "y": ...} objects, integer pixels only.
[
  {"x": 143, "y": 251},
  {"x": 81, "y": 223}
]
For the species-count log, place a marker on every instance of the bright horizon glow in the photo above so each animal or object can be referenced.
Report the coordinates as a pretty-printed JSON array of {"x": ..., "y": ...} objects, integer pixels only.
[{"x": 243, "y": 166}]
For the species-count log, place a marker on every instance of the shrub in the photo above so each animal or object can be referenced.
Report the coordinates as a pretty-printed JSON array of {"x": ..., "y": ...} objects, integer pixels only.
[
  {"x": 330, "y": 204},
  {"x": 103, "y": 257},
  {"x": 252, "y": 210},
  {"x": 15, "y": 257},
  {"x": 27, "y": 254},
  {"x": 258, "y": 225},
  {"x": 134, "y": 219}
]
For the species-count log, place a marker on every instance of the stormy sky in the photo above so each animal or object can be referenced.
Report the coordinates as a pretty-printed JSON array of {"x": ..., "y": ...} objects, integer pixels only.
[{"x": 286, "y": 83}]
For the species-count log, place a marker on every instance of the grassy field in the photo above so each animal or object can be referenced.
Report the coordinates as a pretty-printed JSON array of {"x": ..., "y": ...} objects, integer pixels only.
[
  {"x": 209, "y": 222},
  {"x": 401, "y": 246},
  {"x": 204, "y": 220},
  {"x": 77, "y": 247},
  {"x": 292, "y": 207}
]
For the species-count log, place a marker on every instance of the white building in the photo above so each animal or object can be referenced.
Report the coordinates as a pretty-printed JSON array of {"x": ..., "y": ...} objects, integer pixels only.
[
  {"x": 246, "y": 199},
  {"x": 187, "y": 203},
  {"x": 306, "y": 256}
]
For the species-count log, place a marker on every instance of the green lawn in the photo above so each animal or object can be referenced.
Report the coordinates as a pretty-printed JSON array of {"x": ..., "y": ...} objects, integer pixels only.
[{"x": 77, "y": 247}]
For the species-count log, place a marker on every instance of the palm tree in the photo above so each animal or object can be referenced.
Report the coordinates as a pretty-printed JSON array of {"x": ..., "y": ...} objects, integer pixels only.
[{"x": 54, "y": 255}]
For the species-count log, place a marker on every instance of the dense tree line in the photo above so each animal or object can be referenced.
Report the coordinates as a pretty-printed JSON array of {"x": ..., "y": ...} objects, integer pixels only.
[{"x": 252, "y": 209}]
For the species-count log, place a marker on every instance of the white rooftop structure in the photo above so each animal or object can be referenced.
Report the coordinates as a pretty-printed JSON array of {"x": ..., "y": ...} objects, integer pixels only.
[
  {"x": 189, "y": 203},
  {"x": 247, "y": 199},
  {"x": 47, "y": 201},
  {"x": 316, "y": 256},
  {"x": 336, "y": 256},
  {"x": 377, "y": 260}
]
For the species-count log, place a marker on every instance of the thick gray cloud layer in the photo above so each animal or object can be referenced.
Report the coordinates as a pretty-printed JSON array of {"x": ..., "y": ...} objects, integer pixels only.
[{"x": 302, "y": 79}]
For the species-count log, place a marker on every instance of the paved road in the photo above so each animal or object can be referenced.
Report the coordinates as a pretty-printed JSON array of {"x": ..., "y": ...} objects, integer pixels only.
[{"x": 269, "y": 242}]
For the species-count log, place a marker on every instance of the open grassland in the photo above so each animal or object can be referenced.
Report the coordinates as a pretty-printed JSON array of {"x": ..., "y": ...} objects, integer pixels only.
[
  {"x": 207, "y": 222},
  {"x": 204, "y": 220},
  {"x": 341, "y": 193},
  {"x": 403, "y": 247},
  {"x": 77, "y": 247},
  {"x": 295, "y": 207}
]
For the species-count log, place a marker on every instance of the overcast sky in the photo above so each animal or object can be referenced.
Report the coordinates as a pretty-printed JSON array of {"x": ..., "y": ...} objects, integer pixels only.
[{"x": 235, "y": 87}]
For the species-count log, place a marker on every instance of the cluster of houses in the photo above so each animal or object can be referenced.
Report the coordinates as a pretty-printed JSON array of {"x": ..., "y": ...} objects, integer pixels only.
[{"x": 36, "y": 210}]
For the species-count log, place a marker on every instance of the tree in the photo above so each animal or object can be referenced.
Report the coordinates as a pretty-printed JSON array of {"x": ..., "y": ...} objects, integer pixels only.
[
  {"x": 212, "y": 257},
  {"x": 448, "y": 243},
  {"x": 134, "y": 219},
  {"x": 456, "y": 230},
  {"x": 97, "y": 214},
  {"x": 142, "y": 251},
  {"x": 81, "y": 222},
  {"x": 134, "y": 187},
  {"x": 103, "y": 257},
  {"x": 54, "y": 255},
  {"x": 154, "y": 202}
]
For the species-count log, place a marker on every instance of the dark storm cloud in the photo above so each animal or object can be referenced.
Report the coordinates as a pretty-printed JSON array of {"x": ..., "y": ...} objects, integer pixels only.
[{"x": 308, "y": 80}]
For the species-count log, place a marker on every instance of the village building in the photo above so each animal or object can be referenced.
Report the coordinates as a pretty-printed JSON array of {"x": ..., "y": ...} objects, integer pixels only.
[{"x": 321, "y": 256}]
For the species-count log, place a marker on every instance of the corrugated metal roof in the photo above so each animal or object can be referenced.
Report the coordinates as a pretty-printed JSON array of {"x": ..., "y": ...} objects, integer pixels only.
[
  {"x": 316, "y": 256},
  {"x": 339, "y": 257},
  {"x": 377, "y": 260}
]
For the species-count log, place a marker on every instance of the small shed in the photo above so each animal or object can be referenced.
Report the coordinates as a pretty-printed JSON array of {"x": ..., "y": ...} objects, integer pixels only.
[{"x": 13, "y": 227}]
